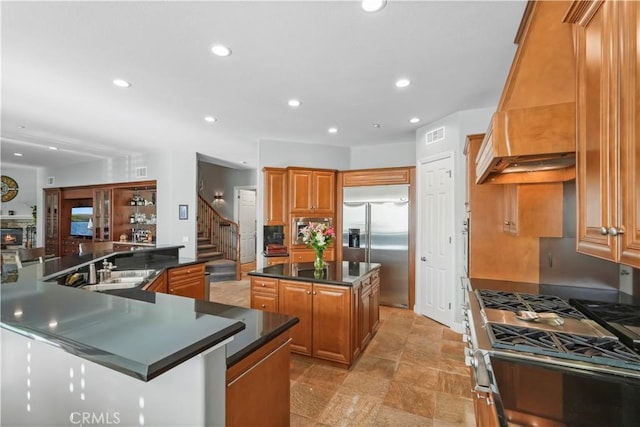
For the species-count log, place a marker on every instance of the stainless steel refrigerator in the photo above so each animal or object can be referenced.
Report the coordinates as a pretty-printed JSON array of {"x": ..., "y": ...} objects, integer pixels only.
[{"x": 376, "y": 229}]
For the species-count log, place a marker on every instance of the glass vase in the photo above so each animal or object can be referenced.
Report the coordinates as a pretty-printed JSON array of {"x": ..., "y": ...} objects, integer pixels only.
[{"x": 318, "y": 263}]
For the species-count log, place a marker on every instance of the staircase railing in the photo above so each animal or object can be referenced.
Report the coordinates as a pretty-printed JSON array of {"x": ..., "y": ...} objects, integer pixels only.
[{"x": 220, "y": 231}]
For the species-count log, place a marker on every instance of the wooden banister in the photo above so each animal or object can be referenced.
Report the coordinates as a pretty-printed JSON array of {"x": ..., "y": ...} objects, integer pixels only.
[{"x": 220, "y": 231}]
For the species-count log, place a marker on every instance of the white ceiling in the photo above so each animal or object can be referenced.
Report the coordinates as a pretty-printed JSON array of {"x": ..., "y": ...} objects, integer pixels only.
[{"x": 59, "y": 60}]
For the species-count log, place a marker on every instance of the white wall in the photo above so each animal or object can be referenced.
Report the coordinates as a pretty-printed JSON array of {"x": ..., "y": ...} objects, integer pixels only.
[
  {"x": 383, "y": 156},
  {"x": 27, "y": 196},
  {"x": 457, "y": 127},
  {"x": 174, "y": 173}
]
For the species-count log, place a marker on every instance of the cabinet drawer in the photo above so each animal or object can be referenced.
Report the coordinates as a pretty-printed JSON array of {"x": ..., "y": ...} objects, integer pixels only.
[
  {"x": 265, "y": 302},
  {"x": 277, "y": 260},
  {"x": 309, "y": 255},
  {"x": 182, "y": 273},
  {"x": 264, "y": 285},
  {"x": 375, "y": 277}
]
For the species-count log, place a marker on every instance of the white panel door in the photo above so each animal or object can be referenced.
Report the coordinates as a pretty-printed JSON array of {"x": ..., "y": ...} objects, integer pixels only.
[
  {"x": 247, "y": 223},
  {"x": 436, "y": 259}
]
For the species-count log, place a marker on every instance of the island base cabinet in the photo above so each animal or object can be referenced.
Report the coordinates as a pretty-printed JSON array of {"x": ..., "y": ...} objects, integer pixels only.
[
  {"x": 258, "y": 388},
  {"x": 325, "y": 315},
  {"x": 296, "y": 300},
  {"x": 331, "y": 323},
  {"x": 188, "y": 281}
]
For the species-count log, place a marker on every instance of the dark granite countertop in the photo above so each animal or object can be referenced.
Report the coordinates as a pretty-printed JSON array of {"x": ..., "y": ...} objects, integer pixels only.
[
  {"x": 335, "y": 273},
  {"x": 118, "y": 332}
]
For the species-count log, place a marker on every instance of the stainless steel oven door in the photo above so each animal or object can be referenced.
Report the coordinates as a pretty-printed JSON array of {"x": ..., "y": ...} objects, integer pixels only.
[{"x": 300, "y": 223}]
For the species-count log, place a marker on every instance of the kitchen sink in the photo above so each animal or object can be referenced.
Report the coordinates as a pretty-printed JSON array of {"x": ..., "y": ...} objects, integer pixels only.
[
  {"x": 124, "y": 279},
  {"x": 131, "y": 274},
  {"x": 111, "y": 286}
]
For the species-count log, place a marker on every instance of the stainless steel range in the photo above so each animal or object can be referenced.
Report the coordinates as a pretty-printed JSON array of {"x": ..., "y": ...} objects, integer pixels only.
[
  {"x": 512, "y": 334},
  {"x": 549, "y": 330}
]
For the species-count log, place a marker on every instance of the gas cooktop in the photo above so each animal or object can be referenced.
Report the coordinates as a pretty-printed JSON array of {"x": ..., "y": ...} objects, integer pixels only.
[
  {"x": 514, "y": 302},
  {"x": 621, "y": 319}
]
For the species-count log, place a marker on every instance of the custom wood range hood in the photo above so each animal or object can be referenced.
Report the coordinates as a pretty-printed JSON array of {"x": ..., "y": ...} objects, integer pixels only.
[{"x": 532, "y": 136}]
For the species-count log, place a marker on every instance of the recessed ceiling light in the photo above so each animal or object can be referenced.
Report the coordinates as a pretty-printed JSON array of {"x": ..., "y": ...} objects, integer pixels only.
[
  {"x": 21, "y": 127},
  {"x": 403, "y": 83},
  {"x": 294, "y": 103},
  {"x": 53, "y": 148},
  {"x": 376, "y": 125},
  {"x": 332, "y": 130},
  {"x": 17, "y": 154},
  {"x": 414, "y": 120},
  {"x": 373, "y": 5},
  {"x": 244, "y": 162},
  {"x": 220, "y": 50},
  {"x": 210, "y": 119},
  {"x": 121, "y": 83}
]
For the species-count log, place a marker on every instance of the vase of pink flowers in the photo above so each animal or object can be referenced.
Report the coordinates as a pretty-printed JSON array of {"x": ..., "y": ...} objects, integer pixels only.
[{"x": 318, "y": 236}]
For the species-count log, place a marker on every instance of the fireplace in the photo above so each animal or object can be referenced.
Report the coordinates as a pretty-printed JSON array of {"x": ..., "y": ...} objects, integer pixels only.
[{"x": 11, "y": 236}]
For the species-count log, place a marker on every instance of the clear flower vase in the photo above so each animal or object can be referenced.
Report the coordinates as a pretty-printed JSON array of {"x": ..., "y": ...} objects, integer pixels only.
[{"x": 318, "y": 263}]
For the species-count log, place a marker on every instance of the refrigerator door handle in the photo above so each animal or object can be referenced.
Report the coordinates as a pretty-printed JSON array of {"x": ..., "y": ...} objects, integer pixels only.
[{"x": 367, "y": 256}]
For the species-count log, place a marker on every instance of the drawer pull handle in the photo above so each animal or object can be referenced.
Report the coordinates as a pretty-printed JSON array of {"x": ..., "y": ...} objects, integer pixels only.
[
  {"x": 263, "y": 285},
  {"x": 262, "y": 305}
]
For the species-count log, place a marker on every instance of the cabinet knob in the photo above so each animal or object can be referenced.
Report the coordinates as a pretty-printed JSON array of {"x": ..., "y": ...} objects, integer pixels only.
[
  {"x": 171, "y": 290},
  {"x": 308, "y": 292},
  {"x": 262, "y": 305},
  {"x": 604, "y": 230},
  {"x": 616, "y": 231},
  {"x": 314, "y": 292},
  {"x": 262, "y": 284},
  {"x": 507, "y": 223}
]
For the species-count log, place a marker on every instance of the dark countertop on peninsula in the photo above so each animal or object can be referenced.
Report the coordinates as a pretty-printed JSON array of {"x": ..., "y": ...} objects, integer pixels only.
[
  {"x": 115, "y": 332},
  {"x": 335, "y": 273}
]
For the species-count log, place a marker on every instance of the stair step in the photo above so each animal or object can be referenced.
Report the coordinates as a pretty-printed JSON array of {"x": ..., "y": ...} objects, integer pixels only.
[
  {"x": 221, "y": 277},
  {"x": 206, "y": 246}
]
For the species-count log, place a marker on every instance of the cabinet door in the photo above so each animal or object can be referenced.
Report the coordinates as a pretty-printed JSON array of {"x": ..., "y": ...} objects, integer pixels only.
[
  {"x": 596, "y": 151},
  {"x": 364, "y": 322},
  {"x": 275, "y": 204},
  {"x": 375, "y": 300},
  {"x": 52, "y": 221},
  {"x": 300, "y": 191},
  {"x": 629, "y": 161},
  {"x": 533, "y": 210},
  {"x": 159, "y": 284},
  {"x": 324, "y": 193},
  {"x": 332, "y": 322},
  {"x": 102, "y": 215},
  {"x": 296, "y": 300},
  {"x": 188, "y": 281}
]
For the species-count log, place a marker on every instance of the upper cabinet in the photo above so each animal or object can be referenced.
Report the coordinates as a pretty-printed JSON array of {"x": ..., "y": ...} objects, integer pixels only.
[
  {"x": 531, "y": 137},
  {"x": 52, "y": 221},
  {"x": 275, "y": 196},
  {"x": 312, "y": 192},
  {"x": 608, "y": 160},
  {"x": 102, "y": 215}
]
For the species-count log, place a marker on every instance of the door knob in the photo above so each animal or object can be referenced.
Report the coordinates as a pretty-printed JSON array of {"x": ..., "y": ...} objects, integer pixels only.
[{"x": 615, "y": 231}]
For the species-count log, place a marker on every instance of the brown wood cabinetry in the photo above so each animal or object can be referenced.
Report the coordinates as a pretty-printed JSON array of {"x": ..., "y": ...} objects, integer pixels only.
[
  {"x": 325, "y": 319},
  {"x": 187, "y": 281},
  {"x": 71, "y": 246},
  {"x": 533, "y": 209},
  {"x": 258, "y": 387},
  {"x": 274, "y": 260},
  {"x": 375, "y": 301},
  {"x": 275, "y": 196},
  {"x": 608, "y": 162},
  {"x": 159, "y": 284},
  {"x": 309, "y": 255},
  {"x": 364, "y": 312},
  {"x": 386, "y": 176},
  {"x": 102, "y": 215},
  {"x": 134, "y": 212},
  {"x": 264, "y": 294},
  {"x": 52, "y": 221},
  {"x": 312, "y": 192},
  {"x": 494, "y": 254}
]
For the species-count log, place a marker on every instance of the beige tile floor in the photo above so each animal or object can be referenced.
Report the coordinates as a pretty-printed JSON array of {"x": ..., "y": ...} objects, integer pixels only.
[{"x": 412, "y": 373}]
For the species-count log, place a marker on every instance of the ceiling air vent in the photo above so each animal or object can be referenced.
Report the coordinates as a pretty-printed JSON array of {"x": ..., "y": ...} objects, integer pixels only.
[
  {"x": 141, "y": 172},
  {"x": 50, "y": 180},
  {"x": 435, "y": 135}
]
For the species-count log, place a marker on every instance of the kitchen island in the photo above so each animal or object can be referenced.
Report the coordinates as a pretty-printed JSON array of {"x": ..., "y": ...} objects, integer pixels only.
[
  {"x": 338, "y": 307},
  {"x": 145, "y": 359},
  {"x": 594, "y": 382}
]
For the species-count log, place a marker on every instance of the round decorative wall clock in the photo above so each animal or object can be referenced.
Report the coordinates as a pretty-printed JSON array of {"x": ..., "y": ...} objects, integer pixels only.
[{"x": 9, "y": 188}]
